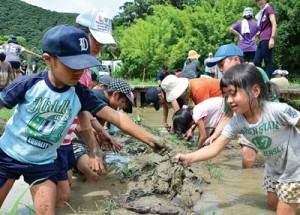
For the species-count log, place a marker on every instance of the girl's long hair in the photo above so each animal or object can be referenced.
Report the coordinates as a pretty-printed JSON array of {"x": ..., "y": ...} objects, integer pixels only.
[
  {"x": 182, "y": 120},
  {"x": 245, "y": 76}
]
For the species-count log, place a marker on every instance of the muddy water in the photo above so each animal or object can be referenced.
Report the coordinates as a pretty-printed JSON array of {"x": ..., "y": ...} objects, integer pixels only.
[{"x": 237, "y": 192}]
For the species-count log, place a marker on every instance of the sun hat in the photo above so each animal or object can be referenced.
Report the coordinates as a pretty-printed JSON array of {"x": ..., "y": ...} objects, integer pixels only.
[
  {"x": 119, "y": 84},
  {"x": 210, "y": 54},
  {"x": 248, "y": 11},
  {"x": 70, "y": 45},
  {"x": 280, "y": 72},
  {"x": 193, "y": 54},
  {"x": 223, "y": 52},
  {"x": 174, "y": 87},
  {"x": 99, "y": 25},
  {"x": 151, "y": 96}
]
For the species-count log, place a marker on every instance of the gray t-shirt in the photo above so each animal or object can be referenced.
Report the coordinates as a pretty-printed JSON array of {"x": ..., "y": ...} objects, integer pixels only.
[{"x": 276, "y": 136}]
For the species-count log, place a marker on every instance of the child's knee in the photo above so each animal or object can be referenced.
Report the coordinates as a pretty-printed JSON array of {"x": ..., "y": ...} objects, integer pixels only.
[
  {"x": 249, "y": 156},
  {"x": 63, "y": 198},
  {"x": 272, "y": 201}
]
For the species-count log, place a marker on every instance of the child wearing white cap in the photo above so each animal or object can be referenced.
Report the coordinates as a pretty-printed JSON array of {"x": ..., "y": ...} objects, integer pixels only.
[
  {"x": 98, "y": 27},
  {"x": 46, "y": 105},
  {"x": 280, "y": 78}
]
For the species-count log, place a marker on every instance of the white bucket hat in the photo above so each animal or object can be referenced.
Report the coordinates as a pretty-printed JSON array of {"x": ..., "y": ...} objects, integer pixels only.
[
  {"x": 174, "y": 87},
  {"x": 248, "y": 12},
  {"x": 99, "y": 24}
]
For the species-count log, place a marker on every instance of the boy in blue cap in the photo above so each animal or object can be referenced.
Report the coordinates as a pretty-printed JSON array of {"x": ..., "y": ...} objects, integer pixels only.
[
  {"x": 226, "y": 57},
  {"x": 46, "y": 105}
]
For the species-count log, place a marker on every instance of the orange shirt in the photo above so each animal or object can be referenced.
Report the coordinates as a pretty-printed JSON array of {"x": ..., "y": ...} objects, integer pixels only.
[{"x": 204, "y": 88}]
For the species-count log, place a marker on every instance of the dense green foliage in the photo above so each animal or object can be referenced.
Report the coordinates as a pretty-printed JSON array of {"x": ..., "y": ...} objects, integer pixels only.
[
  {"x": 29, "y": 23},
  {"x": 150, "y": 33},
  {"x": 164, "y": 34}
]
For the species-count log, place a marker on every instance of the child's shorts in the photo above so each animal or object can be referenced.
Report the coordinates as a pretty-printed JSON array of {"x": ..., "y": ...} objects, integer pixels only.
[
  {"x": 287, "y": 192},
  {"x": 79, "y": 149},
  {"x": 65, "y": 160},
  {"x": 13, "y": 169},
  {"x": 244, "y": 142}
]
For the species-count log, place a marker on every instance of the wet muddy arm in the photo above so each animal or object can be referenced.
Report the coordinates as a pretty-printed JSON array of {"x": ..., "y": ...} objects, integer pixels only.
[
  {"x": 202, "y": 133},
  {"x": 165, "y": 115},
  {"x": 124, "y": 123},
  {"x": 105, "y": 141},
  {"x": 87, "y": 130},
  {"x": 221, "y": 125},
  {"x": 205, "y": 153}
]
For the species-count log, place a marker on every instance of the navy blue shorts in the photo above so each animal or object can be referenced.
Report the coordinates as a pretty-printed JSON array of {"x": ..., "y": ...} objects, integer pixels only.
[
  {"x": 13, "y": 169},
  {"x": 15, "y": 64},
  {"x": 65, "y": 160}
]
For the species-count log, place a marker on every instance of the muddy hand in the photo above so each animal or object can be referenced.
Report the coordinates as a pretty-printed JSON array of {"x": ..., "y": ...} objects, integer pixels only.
[{"x": 161, "y": 146}]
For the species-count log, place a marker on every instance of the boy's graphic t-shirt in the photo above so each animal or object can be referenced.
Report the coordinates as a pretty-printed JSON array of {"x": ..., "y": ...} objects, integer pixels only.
[
  {"x": 43, "y": 115},
  {"x": 276, "y": 136}
]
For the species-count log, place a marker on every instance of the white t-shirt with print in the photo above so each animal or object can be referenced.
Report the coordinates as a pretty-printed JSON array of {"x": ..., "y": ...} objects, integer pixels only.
[{"x": 276, "y": 136}]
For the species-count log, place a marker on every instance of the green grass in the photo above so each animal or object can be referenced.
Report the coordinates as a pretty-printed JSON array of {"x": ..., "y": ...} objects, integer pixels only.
[
  {"x": 138, "y": 81},
  {"x": 6, "y": 113},
  {"x": 214, "y": 170}
]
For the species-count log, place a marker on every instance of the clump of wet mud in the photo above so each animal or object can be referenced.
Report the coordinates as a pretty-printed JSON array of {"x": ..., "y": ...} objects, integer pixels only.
[{"x": 162, "y": 186}]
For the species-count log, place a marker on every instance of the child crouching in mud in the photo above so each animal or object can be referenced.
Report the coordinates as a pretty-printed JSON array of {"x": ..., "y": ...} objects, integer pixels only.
[
  {"x": 46, "y": 106},
  {"x": 270, "y": 126}
]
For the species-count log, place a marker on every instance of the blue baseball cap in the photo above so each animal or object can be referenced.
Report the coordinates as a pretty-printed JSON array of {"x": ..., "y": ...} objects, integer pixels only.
[
  {"x": 12, "y": 39},
  {"x": 70, "y": 45},
  {"x": 223, "y": 52},
  {"x": 151, "y": 96}
]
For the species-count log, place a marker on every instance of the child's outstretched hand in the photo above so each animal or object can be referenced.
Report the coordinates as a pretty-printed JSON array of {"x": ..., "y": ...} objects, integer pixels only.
[
  {"x": 161, "y": 146},
  {"x": 183, "y": 158}
]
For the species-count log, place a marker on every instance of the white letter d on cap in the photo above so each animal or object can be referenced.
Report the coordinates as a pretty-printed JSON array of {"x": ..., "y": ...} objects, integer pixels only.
[{"x": 83, "y": 44}]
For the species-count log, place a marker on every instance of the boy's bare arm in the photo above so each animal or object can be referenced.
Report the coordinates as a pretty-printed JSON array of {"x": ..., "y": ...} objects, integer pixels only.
[
  {"x": 124, "y": 123},
  {"x": 87, "y": 130},
  {"x": 105, "y": 141},
  {"x": 221, "y": 125},
  {"x": 165, "y": 116}
]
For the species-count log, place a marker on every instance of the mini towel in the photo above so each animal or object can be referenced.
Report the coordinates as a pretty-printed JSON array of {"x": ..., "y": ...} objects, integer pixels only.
[
  {"x": 245, "y": 27},
  {"x": 258, "y": 16}
]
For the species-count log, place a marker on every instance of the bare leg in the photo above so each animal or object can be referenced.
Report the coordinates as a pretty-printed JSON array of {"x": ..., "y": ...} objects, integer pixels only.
[
  {"x": 63, "y": 193},
  {"x": 272, "y": 201},
  {"x": 4, "y": 190},
  {"x": 83, "y": 166},
  {"x": 286, "y": 209},
  {"x": 44, "y": 197},
  {"x": 249, "y": 155},
  {"x": 70, "y": 177}
]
